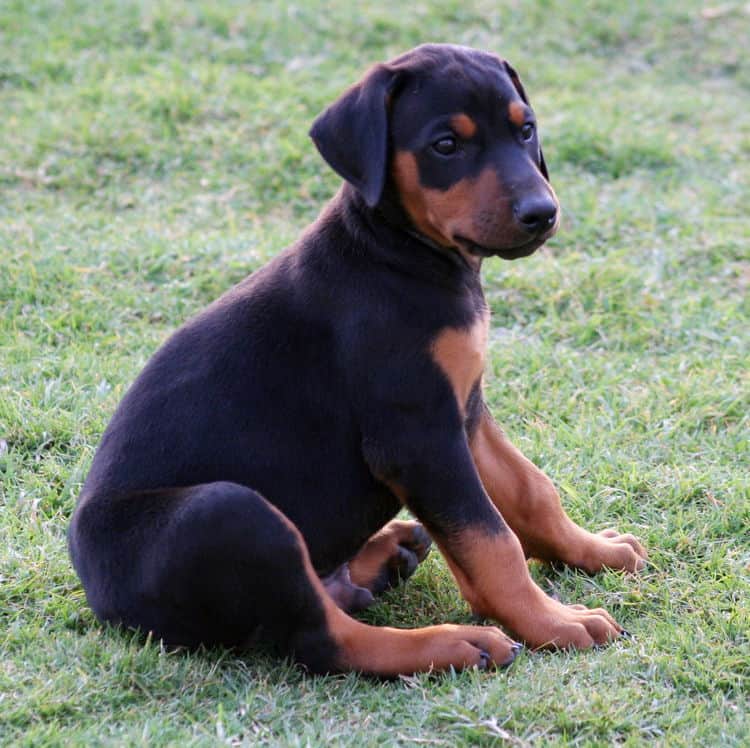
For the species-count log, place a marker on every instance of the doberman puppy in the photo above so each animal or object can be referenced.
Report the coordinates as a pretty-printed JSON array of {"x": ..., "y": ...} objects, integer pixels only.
[{"x": 249, "y": 476}]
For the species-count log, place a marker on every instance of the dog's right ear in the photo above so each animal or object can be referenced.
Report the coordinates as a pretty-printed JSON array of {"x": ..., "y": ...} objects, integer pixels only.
[
  {"x": 516, "y": 81},
  {"x": 352, "y": 134}
]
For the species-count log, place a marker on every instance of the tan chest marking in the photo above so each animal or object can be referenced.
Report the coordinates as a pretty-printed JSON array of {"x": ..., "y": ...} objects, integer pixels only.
[{"x": 460, "y": 355}]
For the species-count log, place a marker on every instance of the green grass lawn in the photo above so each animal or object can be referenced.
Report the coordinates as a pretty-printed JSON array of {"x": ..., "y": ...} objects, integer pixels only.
[{"x": 153, "y": 154}]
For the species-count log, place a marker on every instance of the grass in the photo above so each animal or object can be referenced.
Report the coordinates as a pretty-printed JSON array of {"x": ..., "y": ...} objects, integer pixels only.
[{"x": 152, "y": 154}]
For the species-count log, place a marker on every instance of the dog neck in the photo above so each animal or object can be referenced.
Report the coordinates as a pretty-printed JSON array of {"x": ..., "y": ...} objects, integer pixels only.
[{"x": 386, "y": 234}]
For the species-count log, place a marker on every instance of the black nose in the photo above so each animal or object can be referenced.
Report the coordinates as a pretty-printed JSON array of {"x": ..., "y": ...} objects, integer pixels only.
[{"x": 536, "y": 214}]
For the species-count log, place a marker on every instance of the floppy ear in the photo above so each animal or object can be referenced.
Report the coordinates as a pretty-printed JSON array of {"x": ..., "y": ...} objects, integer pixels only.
[
  {"x": 352, "y": 134},
  {"x": 516, "y": 81}
]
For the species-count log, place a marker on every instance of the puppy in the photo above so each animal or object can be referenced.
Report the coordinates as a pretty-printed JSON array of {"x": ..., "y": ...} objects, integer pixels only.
[{"x": 250, "y": 476}]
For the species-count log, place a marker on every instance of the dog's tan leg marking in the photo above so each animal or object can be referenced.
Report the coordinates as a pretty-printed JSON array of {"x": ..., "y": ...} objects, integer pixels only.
[
  {"x": 530, "y": 504},
  {"x": 386, "y": 651},
  {"x": 384, "y": 552},
  {"x": 492, "y": 574}
]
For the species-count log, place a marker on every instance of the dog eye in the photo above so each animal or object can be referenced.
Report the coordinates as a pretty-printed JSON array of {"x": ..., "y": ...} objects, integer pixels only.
[
  {"x": 527, "y": 131},
  {"x": 445, "y": 146}
]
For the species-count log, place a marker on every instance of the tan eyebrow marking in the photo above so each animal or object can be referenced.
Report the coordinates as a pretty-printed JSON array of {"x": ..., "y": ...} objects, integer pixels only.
[
  {"x": 464, "y": 125},
  {"x": 517, "y": 113}
]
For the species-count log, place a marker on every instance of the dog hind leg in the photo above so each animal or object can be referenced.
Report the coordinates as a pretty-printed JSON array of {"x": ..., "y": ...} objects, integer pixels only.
[{"x": 210, "y": 563}]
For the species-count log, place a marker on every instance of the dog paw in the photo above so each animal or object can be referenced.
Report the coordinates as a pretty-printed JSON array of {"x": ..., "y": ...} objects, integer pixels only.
[
  {"x": 613, "y": 550},
  {"x": 390, "y": 556}
]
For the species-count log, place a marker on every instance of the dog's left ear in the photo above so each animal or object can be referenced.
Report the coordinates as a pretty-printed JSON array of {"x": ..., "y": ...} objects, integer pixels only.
[
  {"x": 352, "y": 134},
  {"x": 516, "y": 81}
]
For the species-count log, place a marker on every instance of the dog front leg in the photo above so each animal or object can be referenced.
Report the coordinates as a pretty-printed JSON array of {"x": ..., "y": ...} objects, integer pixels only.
[
  {"x": 437, "y": 480},
  {"x": 530, "y": 504}
]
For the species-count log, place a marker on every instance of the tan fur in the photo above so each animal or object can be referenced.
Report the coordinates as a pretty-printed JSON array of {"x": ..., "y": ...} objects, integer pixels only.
[
  {"x": 461, "y": 210},
  {"x": 379, "y": 551},
  {"x": 387, "y": 651},
  {"x": 517, "y": 113},
  {"x": 491, "y": 572},
  {"x": 460, "y": 355},
  {"x": 464, "y": 126},
  {"x": 531, "y": 506}
]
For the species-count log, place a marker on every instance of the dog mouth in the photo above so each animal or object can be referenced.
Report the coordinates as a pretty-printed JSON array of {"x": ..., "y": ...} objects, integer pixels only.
[
  {"x": 515, "y": 252},
  {"x": 505, "y": 253}
]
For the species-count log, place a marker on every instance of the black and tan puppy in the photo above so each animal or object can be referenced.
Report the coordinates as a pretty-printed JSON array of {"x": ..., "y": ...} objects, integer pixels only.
[{"x": 248, "y": 477}]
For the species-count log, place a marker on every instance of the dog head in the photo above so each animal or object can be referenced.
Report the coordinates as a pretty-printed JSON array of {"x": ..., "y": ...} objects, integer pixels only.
[{"x": 448, "y": 133}]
